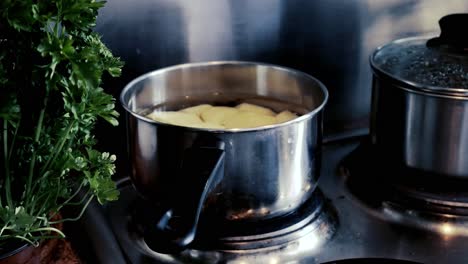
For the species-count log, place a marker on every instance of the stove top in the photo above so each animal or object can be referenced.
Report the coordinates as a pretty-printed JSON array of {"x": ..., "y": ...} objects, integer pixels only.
[
  {"x": 283, "y": 239},
  {"x": 360, "y": 219},
  {"x": 316, "y": 216}
]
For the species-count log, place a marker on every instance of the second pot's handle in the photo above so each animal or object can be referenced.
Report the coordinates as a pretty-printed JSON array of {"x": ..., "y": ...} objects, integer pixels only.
[{"x": 201, "y": 170}]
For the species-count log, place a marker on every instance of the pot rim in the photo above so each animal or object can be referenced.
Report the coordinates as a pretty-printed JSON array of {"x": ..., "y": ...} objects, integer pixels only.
[
  {"x": 226, "y": 62},
  {"x": 402, "y": 86},
  {"x": 426, "y": 89}
]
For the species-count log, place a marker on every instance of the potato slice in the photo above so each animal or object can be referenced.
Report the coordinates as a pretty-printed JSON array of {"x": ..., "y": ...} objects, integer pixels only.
[
  {"x": 249, "y": 120},
  {"x": 176, "y": 118},
  {"x": 255, "y": 109},
  {"x": 198, "y": 109},
  {"x": 285, "y": 116},
  {"x": 208, "y": 125},
  {"x": 221, "y": 117},
  {"x": 218, "y": 114}
]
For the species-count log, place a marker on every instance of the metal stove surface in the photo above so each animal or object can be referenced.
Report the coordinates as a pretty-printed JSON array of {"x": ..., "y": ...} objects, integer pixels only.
[
  {"x": 281, "y": 240},
  {"x": 364, "y": 230}
]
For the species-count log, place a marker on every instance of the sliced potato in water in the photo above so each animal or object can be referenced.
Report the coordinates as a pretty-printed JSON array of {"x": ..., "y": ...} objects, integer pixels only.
[
  {"x": 208, "y": 125},
  {"x": 222, "y": 117},
  {"x": 285, "y": 116},
  {"x": 255, "y": 109},
  {"x": 198, "y": 109},
  {"x": 248, "y": 120},
  {"x": 218, "y": 114},
  {"x": 176, "y": 118}
]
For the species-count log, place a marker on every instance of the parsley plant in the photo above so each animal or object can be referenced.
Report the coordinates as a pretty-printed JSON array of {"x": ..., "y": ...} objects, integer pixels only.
[{"x": 51, "y": 65}]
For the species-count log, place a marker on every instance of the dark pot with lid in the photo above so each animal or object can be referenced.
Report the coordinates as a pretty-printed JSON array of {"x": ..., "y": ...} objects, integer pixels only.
[
  {"x": 420, "y": 100},
  {"x": 233, "y": 175}
]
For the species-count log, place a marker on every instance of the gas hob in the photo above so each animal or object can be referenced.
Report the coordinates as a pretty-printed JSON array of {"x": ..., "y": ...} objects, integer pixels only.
[{"x": 356, "y": 218}]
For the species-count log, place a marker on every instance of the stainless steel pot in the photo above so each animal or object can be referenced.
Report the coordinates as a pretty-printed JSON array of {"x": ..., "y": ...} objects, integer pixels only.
[
  {"x": 234, "y": 175},
  {"x": 420, "y": 101}
]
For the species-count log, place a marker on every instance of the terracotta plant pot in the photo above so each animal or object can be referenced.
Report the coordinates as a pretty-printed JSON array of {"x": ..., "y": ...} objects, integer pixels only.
[
  {"x": 49, "y": 251},
  {"x": 19, "y": 254}
]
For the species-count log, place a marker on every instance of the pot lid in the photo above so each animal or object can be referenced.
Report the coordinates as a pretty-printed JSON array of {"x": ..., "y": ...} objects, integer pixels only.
[{"x": 437, "y": 65}]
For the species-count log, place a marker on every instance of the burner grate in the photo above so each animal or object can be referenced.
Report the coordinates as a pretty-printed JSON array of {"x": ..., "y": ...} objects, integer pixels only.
[
  {"x": 304, "y": 230},
  {"x": 405, "y": 195}
]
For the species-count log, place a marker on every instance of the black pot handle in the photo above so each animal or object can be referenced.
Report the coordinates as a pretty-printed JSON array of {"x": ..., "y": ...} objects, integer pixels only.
[
  {"x": 453, "y": 37},
  {"x": 201, "y": 170}
]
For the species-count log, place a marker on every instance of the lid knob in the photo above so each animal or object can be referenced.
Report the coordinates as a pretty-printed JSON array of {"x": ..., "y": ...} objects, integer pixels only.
[{"x": 453, "y": 36}]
